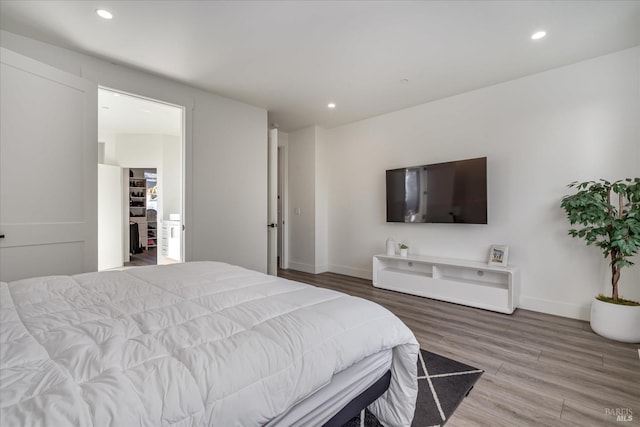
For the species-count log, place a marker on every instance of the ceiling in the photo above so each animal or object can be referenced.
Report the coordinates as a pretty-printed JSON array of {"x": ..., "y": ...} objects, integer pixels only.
[
  {"x": 121, "y": 113},
  {"x": 369, "y": 57}
]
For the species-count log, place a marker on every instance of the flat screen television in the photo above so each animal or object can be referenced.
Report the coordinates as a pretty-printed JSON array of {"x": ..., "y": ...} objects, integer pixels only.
[{"x": 452, "y": 192}]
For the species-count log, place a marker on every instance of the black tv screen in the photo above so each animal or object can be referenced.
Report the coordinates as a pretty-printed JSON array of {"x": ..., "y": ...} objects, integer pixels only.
[{"x": 452, "y": 192}]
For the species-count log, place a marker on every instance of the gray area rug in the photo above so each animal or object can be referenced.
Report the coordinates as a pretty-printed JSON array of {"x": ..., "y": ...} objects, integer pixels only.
[{"x": 442, "y": 384}]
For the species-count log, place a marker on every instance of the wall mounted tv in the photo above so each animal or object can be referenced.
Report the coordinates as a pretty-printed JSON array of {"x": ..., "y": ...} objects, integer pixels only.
[{"x": 452, "y": 192}]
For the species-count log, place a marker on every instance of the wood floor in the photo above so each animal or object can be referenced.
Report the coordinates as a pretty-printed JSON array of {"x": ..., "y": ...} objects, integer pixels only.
[
  {"x": 540, "y": 370},
  {"x": 146, "y": 257}
]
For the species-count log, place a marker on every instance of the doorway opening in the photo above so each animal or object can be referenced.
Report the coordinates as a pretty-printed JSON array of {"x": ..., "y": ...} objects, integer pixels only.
[
  {"x": 278, "y": 201},
  {"x": 140, "y": 181},
  {"x": 143, "y": 216}
]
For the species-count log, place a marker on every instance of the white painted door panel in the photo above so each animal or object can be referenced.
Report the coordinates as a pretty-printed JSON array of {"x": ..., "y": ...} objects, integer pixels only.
[
  {"x": 48, "y": 163},
  {"x": 272, "y": 205}
]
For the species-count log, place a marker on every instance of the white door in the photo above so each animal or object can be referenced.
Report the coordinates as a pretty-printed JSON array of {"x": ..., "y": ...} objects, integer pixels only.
[
  {"x": 272, "y": 205},
  {"x": 280, "y": 212},
  {"x": 48, "y": 170},
  {"x": 110, "y": 221}
]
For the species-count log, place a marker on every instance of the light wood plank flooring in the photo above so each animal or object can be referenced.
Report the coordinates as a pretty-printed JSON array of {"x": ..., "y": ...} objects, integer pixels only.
[{"x": 540, "y": 370}]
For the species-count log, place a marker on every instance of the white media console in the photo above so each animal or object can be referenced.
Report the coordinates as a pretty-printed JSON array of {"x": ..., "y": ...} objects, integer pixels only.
[{"x": 470, "y": 283}]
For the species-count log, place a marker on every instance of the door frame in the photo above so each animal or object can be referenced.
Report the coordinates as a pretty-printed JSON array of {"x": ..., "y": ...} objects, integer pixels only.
[
  {"x": 272, "y": 201},
  {"x": 283, "y": 191}
]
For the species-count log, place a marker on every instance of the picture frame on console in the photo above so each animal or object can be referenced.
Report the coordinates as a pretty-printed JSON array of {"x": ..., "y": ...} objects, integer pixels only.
[{"x": 498, "y": 255}]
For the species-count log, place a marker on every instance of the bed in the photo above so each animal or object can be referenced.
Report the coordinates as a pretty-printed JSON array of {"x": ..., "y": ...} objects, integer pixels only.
[{"x": 197, "y": 344}]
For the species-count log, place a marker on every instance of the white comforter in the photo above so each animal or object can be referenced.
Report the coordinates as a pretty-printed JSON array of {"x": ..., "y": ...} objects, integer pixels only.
[{"x": 195, "y": 344}]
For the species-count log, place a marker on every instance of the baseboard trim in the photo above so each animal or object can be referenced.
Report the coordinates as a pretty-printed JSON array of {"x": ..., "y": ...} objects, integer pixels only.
[
  {"x": 350, "y": 271},
  {"x": 321, "y": 269},
  {"x": 318, "y": 269},
  {"x": 556, "y": 308},
  {"x": 301, "y": 266}
]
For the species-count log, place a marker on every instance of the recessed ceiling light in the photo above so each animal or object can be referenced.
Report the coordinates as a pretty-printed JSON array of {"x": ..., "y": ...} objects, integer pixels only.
[
  {"x": 538, "y": 35},
  {"x": 104, "y": 14},
  {"x": 331, "y": 105}
]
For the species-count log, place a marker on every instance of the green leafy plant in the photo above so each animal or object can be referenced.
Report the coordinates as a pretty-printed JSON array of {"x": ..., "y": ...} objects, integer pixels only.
[
  {"x": 608, "y": 216},
  {"x": 403, "y": 246}
]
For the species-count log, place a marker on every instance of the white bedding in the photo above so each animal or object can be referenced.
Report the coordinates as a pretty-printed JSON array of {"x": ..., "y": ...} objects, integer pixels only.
[
  {"x": 195, "y": 344},
  {"x": 319, "y": 408}
]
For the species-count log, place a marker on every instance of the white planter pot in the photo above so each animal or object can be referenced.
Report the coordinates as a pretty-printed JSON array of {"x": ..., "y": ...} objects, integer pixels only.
[
  {"x": 616, "y": 322},
  {"x": 404, "y": 252}
]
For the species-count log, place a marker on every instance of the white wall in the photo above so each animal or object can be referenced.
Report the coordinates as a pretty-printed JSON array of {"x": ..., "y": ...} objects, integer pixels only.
[
  {"x": 107, "y": 145},
  {"x": 162, "y": 152},
  {"x": 229, "y": 200},
  {"x": 321, "y": 199},
  {"x": 225, "y": 198},
  {"x": 308, "y": 235},
  {"x": 539, "y": 133},
  {"x": 110, "y": 218},
  {"x": 153, "y": 151},
  {"x": 138, "y": 151},
  {"x": 171, "y": 179},
  {"x": 301, "y": 145}
]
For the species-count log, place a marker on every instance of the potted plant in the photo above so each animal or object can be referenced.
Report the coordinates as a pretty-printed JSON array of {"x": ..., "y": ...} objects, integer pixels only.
[
  {"x": 608, "y": 216},
  {"x": 404, "y": 249}
]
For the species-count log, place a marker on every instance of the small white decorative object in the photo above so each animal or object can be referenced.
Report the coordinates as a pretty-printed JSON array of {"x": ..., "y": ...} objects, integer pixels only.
[
  {"x": 498, "y": 255},
  {"x": 404, "y": 249},
  {"x": 391, "y": 246}
]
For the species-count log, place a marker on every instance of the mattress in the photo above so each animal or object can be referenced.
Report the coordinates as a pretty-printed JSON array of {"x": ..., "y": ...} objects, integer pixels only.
[
  {"x": 193, "y": 344},
  {"x": 346, "y": 385}
]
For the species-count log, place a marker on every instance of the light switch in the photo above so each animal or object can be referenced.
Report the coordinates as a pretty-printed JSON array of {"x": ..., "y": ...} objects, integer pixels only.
[{"x": 296, "y": 211}]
